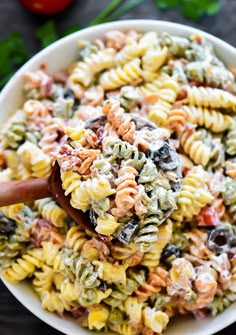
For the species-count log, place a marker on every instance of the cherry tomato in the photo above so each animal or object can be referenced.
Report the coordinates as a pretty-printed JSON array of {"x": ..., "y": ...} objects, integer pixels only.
[
  {"x": 208, "y": 217},
  {"x": 46, "y": 7}
]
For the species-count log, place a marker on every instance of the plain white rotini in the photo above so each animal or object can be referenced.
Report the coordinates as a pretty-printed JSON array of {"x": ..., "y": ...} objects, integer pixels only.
[
  {"x": 194, "y": 194},
  {"x": 154, "y": 59},
  {"x": 163, "y": 81},
  {"x": 52, "y": 301},
  {"x": 130, "y": 51},
  {"x": 6, "y": 175},
  {"x": 13, "y": 212},
  {"x": 98, "y": 316},
  {"x": 43, "y": 280},
  {"x": 35, "y": 161},
  {"x": 69, "y": 291},
  {"x": 210, "y": 97},
  {"x": 149, "y": 40},
  {"x": 192, "y": 144},
  {"x": 158, "y": 112},
  {"x": 24, "y": 266},
  {"x": 155, "y": 320},
  {"x": 75, "y": 238},
  {"x": 51, "y": 211},
  {"x": 52, "y": 256},
  {"x": 85, "y": 70},
  {"x": 121, "y": 75},
  {"x": 209, "y": 118}
]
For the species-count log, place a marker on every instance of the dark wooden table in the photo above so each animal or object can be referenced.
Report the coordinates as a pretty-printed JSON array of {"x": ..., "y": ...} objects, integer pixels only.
[{"x": 14, "y": 318}]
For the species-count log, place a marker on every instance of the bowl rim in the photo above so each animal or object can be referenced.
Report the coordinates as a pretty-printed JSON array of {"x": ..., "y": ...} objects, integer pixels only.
[{"x": 182, "y": 30}]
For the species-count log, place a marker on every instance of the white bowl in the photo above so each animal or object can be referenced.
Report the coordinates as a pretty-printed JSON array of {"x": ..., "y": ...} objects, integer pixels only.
[{"x": 57, "y": 56}]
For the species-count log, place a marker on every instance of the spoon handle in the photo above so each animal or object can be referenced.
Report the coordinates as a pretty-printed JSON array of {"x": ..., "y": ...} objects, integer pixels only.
[{"x": 17, "y": 191}]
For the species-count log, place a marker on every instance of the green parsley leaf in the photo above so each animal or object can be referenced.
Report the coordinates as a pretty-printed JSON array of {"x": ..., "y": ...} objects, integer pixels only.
[
  {"x": 213, "y": 7},
  {"x": 47, "y": 33},
  {"x": 13, "y": 54},
  {"x": 192, "y": 9}
]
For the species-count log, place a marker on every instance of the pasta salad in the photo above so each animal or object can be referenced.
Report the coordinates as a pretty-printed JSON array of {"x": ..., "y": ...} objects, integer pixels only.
[{"x": 143, "y": 128}]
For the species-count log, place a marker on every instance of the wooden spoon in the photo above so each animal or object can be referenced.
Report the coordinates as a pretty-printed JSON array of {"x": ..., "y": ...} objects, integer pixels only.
[{"x": 21, "y": 191}]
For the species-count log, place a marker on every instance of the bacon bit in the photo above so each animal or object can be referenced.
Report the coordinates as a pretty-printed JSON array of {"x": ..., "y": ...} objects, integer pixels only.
[
  {"x": 101, "y": 247},
  {"x": 42, "y": 230},
  {"x": 43, "y": 66},
  {"x": 67, "y": 158},
  {"x": 196, "y": 83},
  {"x": 79, "y": 311},
  {"x": 182, "y": 94},
  {"x": 207, "y": 217},
  {"x": 197, "y": 38}
]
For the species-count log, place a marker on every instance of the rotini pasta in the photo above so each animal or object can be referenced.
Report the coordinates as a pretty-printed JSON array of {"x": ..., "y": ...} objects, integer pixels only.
[
  {"x": 193, "y": 145},
  {"x": 122, "y": 75},
  {"x": 51, "y": 211},
  {"x": 151, "y": 259},
  {"x": 210, "y": 97},
  {"x": 142, "y": 126},
  {"x": 188, "y": 204},
  {"x": 24, "y": 267},
  {"x": 34, "y": 160},
  {"x": 85, "y": 70},
  {"x": 208, "y": 118}
]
